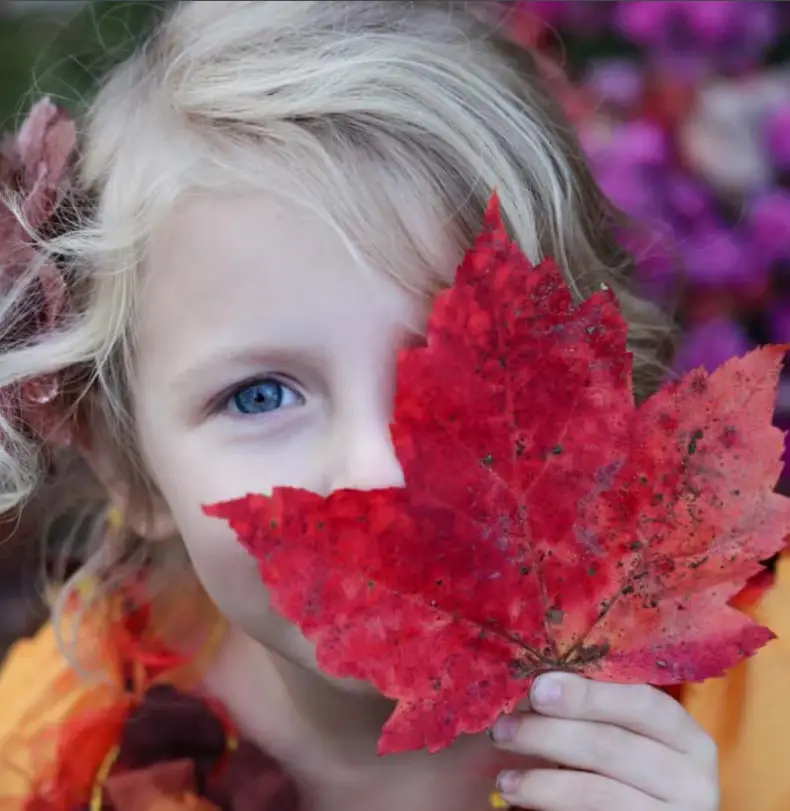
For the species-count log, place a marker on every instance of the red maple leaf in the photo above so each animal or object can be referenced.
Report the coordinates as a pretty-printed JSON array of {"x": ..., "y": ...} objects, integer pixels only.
[{"x": 547, "y": 523}]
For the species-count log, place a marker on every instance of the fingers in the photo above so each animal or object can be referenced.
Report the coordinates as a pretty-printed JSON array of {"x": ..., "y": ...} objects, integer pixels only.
[
  {"x": 635, "y": 748},
  {"x": 635, "y": 707},
  {"x": 607, "y": 750},
  {"x": 602, "y": 748},
  {"x": 554, "y": 790}
]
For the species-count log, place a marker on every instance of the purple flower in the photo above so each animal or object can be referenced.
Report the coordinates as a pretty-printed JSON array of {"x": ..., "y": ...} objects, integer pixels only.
[
  {"x": 631, "y": 145},
  {"x": 573, "y": 15},
  {"x": 689, "y": 37},
  {"x": 711, "y": 344},
  {"x": 629, "y": 190},
  {"x": 777, "y": 137},
  {"x": 768, "y": 221},
  {"x": 642, "y": 143},
  {"x": 643, "y": 22},
  {"x": 618, "y": 82},
  {"x": 626, "y": 161},
  {"x": 718, "y": 257},
  {"x": 778, "y": 318},
  {"x": 656, "y": 264},
  {"x": 688, "y": 200}
]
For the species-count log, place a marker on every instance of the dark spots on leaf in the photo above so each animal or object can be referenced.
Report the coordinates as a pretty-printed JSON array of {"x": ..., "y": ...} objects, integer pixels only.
[
  {"x": 273, "y": 524},
  {"x": 488, "y": 460},
  {"x": 555, "y": 616},
  {"x": 697, "y": 563},
  {"x": 439, "y": 582},
  {"x": 729, "y": 435},
  {"x": 699, "y": 383},
  {"x": 585, "y": 654},
  {"x": 735, "y": 492},
  {"x": 592, "y": 571},
  {"x": 519, "y": 671},
  {"x": 556, "y": 450},
  {"x": 320, "y": 525},
  {"x": 503, "y": 361},
  {"x": 520, "y": 447},
  {"x": 635, "y": 546},
  {"x": 629, "y": 589},
  {"x": 371, "y": 584},
  {"x": 695, "y": 438},
  {"x": 525, "y": 570},
  {"x": 643, "y": 479}
]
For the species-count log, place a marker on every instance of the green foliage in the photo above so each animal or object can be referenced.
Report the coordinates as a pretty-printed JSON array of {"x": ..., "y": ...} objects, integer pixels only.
[{"x": 64, "y": 54}]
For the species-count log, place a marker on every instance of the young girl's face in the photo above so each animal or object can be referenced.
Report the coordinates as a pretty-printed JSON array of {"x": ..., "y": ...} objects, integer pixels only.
[{"x": 266, "y": 357}]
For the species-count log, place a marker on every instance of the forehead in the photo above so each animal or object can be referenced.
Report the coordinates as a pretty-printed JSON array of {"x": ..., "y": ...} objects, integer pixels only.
[{"x": 225, "y": 269}]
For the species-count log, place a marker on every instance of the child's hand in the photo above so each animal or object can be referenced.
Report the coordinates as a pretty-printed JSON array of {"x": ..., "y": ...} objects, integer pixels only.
[{"x": 625, "y": 748}]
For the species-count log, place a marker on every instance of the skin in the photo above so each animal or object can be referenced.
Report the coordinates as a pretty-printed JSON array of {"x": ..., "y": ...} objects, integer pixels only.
[{"x": 273, "y": 294}]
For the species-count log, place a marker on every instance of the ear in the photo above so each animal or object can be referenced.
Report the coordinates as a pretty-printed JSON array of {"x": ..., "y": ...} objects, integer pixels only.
[{"x": 152, "y": 521}]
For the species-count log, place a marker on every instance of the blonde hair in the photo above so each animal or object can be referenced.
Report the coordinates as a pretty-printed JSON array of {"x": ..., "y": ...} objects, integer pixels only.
[{"x": 341, "y": 105}]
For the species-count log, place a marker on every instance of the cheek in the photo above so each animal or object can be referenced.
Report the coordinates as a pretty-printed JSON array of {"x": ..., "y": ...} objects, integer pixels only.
[
  {"x": 193, "y": 469},
  {"x": 231, "y": 578}
]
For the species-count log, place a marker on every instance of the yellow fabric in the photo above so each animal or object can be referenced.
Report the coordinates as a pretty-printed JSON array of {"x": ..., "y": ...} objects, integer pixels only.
[
  {"x": 38, "y": 689},
  {"x": 747, "y": 712}
]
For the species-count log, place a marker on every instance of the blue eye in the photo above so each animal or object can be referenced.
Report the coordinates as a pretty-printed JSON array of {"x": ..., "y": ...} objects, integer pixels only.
[{"x": 264, "y": 396}]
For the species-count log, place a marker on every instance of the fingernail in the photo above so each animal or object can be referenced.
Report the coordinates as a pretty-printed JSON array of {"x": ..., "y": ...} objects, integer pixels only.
[
  {"x": 496, "y": 800},
  {"x": 507, "y": 782},
  {"x": 547, "y": 690},
  {"x": 504, "y": 729}
]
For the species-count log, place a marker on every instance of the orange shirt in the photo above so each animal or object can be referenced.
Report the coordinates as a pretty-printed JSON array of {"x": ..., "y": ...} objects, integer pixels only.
[{"x": 748, "y": 713}]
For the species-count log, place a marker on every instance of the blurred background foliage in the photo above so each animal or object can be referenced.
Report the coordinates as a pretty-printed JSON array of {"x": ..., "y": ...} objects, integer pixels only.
[{"x": 62, "y": 47}]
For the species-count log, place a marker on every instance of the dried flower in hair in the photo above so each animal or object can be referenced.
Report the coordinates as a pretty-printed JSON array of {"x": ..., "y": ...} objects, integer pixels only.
[{"x": 34, "y": 172}]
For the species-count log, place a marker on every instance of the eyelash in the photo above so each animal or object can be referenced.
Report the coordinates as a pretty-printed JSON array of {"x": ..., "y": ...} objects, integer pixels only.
[{"x": 227, "y": 402}]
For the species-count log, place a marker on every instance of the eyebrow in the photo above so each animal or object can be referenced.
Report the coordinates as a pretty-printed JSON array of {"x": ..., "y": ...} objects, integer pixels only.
[{"x": 236, "y": 362}]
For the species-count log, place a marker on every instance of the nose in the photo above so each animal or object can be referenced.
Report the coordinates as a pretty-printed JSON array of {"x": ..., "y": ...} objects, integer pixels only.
[{"x": 365, "y": 459}]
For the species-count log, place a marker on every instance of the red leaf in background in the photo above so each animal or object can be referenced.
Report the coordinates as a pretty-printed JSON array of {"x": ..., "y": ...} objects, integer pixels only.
[{"x": 546, "y": 523}]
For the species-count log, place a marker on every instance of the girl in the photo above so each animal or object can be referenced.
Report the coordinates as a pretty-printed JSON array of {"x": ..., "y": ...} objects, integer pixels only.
[{"x": 268, "y": 195}]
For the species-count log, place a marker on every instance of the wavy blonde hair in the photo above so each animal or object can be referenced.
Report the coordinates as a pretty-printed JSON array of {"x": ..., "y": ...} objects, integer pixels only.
[{"x": 339, "y": 104}]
